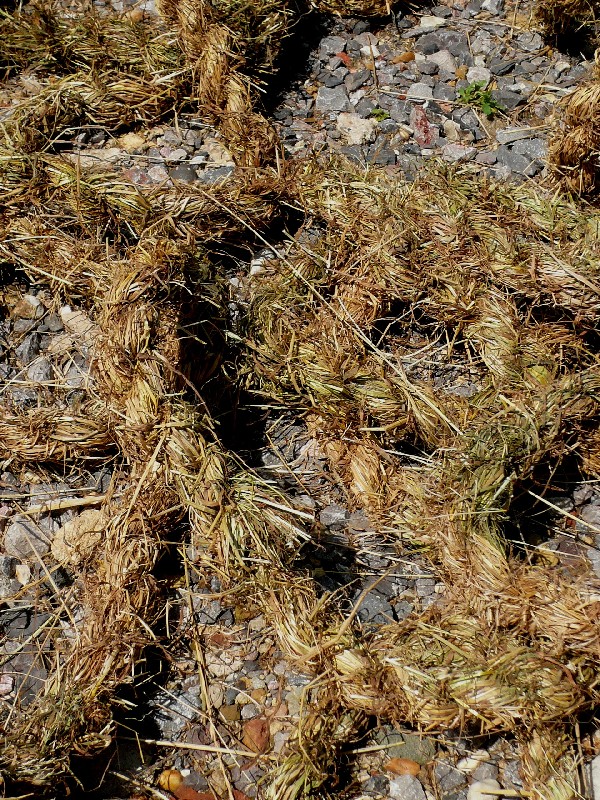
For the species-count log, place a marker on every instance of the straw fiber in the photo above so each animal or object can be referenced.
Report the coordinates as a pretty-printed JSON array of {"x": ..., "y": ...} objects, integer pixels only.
[{"x": 452, "y": 318}]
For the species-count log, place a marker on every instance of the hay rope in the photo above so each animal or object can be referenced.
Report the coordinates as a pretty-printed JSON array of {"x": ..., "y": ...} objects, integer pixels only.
[
  {"x": 575, "y": 144},
  {"x": 504, "y": 279}
]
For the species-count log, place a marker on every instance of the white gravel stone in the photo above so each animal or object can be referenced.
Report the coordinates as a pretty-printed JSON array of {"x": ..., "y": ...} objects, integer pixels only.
[
  {"x": 451, "y": 130},
  {"x": 431, "y": 21},
  {"x": 473, "y": 760},
  {"x": 355, "y": 129},
  {"x": 595, "y": 771},
  {"x": 477, "y": 790},
  {"x": 370, "y": 50}
]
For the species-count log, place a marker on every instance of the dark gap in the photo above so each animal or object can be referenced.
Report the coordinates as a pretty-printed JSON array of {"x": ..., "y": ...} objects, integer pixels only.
[{"x": 531, "y": 522}]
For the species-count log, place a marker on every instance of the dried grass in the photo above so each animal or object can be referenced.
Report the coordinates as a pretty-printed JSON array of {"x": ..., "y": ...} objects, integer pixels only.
[
  {"x": 575, "y": 145},
  {"x": 381, "y": 279},
  {"x": 575, "y": 19},
  {"x": 515, "y": 646}
]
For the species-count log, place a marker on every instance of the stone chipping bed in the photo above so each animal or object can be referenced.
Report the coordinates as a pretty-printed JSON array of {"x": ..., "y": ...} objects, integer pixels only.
[{"x": 386, "y": 94}]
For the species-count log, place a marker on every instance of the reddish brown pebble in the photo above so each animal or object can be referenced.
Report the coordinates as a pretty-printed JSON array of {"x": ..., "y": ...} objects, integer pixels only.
[
  {"x": 404, "y": 57},
  {"x": 170, "y": 779},
  {"x": 257, "y": 734},
  {"x": 402, "y": 766}
]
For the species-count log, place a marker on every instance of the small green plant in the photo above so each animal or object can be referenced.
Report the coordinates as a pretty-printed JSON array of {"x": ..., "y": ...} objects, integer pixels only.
[
  {"x": 476, "y": 95},
  {"x": 379, "y": 114}
]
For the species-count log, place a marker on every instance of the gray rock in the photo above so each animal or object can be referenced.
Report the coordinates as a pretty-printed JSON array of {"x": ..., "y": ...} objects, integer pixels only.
[
  {"x": 511, "y": 775},
  {"x": 429, "y": 43},
  {"x": 334, "y": 515},
  {"x": 472, "y": 9},
  {"x": 448, "y": 778},
  {"x": 428, "y": 67},
  {"x": 184, "y": 172},
  {"x": 249, "y": 711},
  {"x": 331, "y": 80},
  {"x": 405, "y": 787},
  {"x": 420, "y": 91},
  {"x": 9, "y": 587},
  {"x": 495, "y": 7},
  {"x": 29, "y": 348},
  {"x": 230, "y": 695},
  {"x": 425, "y": 586},
  {"x": 388, "y": 126},
  {"x": 10, "y": 479},
  {"x": 170, "y": 137},
  {"x": 381, "y": 155},
  {"x": 366, "y": 39},
  {"x": 530, "y": 42},
  {"x": 215, "y": 175},
  {"x": 485, "y": 771},
  {"x": 331, "y": 45},
  {"x": 458, "y": 44},
  {"x": 43, "y": 492},
  {"x": 173, "y": 710},
  {"x": 24, "y": 538},
  {"x": 40, "y": 371},
  {"x": 524, "y": 88},
  {"x": 524, "y": 68},
  {"x": 532, "y": 148},
  {"x": 22, "y": 622},
  {"x": 332, "y": 100},
  {"x": 479, "y": 75},
  {"x": 582, "y": 494},
  {"x": 177, "y": 155},
  {"x": 76, "y": 375},
  {"x": 54, "y": 323},
  {"x": 354, "y": 81},
  {"x": 444, "y": 92},
  {"x": 377, "y": 785},
  {"x": 507, "y": 98},
  {"x": 399, "y": 111},
  {"x": 353, "y": 153},
  {"x": 444, "y": 59},
  {"x": 591, "y": 515},
  {"x": 24, "y": 397},
  {"x": 510, "y": 135},
  {"x": 514, "y": 161},
  {"x": 499, "y": 66},
  {"x": 207, "y": 611},
  {"x": 249, "y": 778},
  {"x": 365, "y": 106},
  {"x": 487, "y": 157},
  {"x": 455, "y": 152},
  {"x": 375, "y": 608},
  {"x": 158, "y": 174},
  {"x": 403, "y": 610},
  {"x": 7, "y": 566}
]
